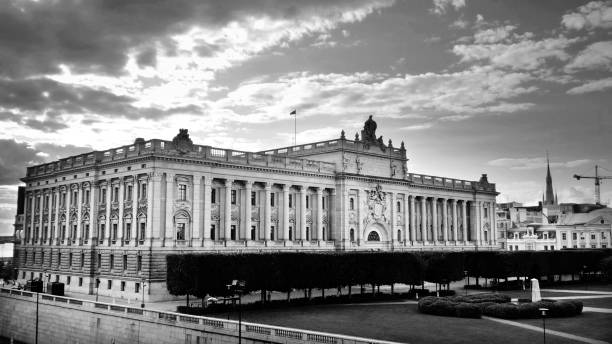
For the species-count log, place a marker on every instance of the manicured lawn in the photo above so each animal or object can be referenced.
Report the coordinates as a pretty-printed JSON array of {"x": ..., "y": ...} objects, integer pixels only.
[
  {"x": 603, "y": 302},
  {"x": 395, "y": 322},
  {"x": 588, "y": 324}
]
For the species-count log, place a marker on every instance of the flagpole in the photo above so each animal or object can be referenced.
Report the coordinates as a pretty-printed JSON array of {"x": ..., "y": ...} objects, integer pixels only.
[{"x": 294, "y": 113}]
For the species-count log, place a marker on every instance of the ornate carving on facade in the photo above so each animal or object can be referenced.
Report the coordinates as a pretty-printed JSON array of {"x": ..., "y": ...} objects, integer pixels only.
[
  {"x": 274, "y": 215},
  {"x": 114, "y": 213},
  {"x": 358, "y": 164},
  {"x": 214, "y": 212},
  {"x": 292, "y": 216},
  {"x": 376, "y": 204},
  {"x": 352, "y": 217},
  {"x": 309, "y": 216},
  {"x": 235, "y": 212},
  {"x": 182, "y": 142},
  {"x": 325, "y": 217},
  {"x": 254, "y": 213}
]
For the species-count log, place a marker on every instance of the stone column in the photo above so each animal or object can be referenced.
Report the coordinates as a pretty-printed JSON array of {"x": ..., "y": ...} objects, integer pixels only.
[
  {"x": 412, "y": 220},
  {"x": 207, "y": 205},
  {"x": 93, "y": 211},
  {"x": 393, "y": 216},
  {"x": 121, "y": 224},
  {"x": 267, "y": 211},
  {"x": 464, "y": 220},
  {"x": 319, "y": 218},
  {"x": 108, "y": 229},
  {"x": 41, "y": 226},
  {"x": 286, "y": 212},
  {"x": 477, "y": 221},
  {"x": 68, "y": 237},
  {"x": 445, "y": 220},
  {"x": 196, "y": 230},
  {"x": 246, "y": 205},
  {"x": 79, "y": 233},
  {"x": 424, "y": 231},
  {"x": 154, "y": 205},
  {"x": 494, "y": 222},
  {"x": 135, "y": 226},
  {"x": 227, "y": 214},
  {"x": 303, "y": 192},
  {"x": 169, "y": 228},
  {"x": 50, "y": 217},
  {"x": 434, "y": 219},
  {"x": 454, "y": 216}
]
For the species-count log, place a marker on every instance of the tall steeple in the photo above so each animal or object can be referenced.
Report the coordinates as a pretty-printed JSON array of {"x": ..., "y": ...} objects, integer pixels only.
[{"x": 550, "y": 196}]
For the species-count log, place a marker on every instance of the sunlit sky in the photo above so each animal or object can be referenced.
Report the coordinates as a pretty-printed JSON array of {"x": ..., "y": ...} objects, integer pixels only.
[{"x": 470, "y": 86}]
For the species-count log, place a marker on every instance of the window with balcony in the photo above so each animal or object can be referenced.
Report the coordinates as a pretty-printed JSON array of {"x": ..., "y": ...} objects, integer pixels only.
[
  {"x": 114, "y": 233},
  {"x": 127, "y": 236},
  {"x": 143, "y": 231}
]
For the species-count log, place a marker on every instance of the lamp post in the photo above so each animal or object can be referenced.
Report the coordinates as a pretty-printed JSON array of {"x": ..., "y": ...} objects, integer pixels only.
[
  {"x": 543, "y": 310},
  {"x": 97, "y": 287},
  {"x": 467, "y": 281},
  {"x": 237, "y": 286},
  {"x": 143, "y": 287},
  {"x": 36, "y": 340}
]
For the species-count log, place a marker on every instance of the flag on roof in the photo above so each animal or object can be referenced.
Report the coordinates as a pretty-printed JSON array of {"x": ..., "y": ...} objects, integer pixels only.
[{"x": 294, "y": 112}]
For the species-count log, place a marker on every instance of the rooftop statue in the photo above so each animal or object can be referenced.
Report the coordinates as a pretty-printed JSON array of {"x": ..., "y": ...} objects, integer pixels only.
[
  {"x": 182, "y": 142},
  {"x": 369, "y": 130}
]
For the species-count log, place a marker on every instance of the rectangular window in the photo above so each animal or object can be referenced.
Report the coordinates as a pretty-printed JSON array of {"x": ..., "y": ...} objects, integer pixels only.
[
  {"x": 80, "y": 281},
  {"x": 307, "y": 202},
  {"x": 322, "y": 202},
  {"x": 68, "y": 280},
  {"x": 82, "y": 259},
  {"x": 101, "y": 234},
  {"x": 86, "y": 231},
  {"x": 86, "y": 196},
  {"x": 125, "y": 262},
  {"x": 290, "y": 201},
  {"x": 99, "y": 260},
  {"x": 128, "y": 232},
  {"x": 563, "y": 236},
  {"x": 122, "y": 286},
  {"x": 213, "y": 196},
  {"x": 103, "y": 196},
  {"x": 114, "y": 231},
  {"x": 143, "y": 230},
  {"x": 139, "y": 263},
  {"x": 128, "y": 192},
  {"x": 574, "y": 236},
  {"x": 109, "y": 284},
  {"x": 552, "y": 247},
  {"x": 180, "y": 231},
  {"x": 143, "y": 191},
  {"x": 182, "y": 192},
  {"x": 233, "y": 195},
  {"x": 112, "y": 261},
  {"x": 213, "y": 232},
  {"x": 592, "y": 236},
  {"x": 253, "y": 233},
  {"x": 253, "y": 198},
  {"x": 233, "y": 232},
  {"x": 70, "y": 259},
  {"x": 116, "y": 194},
  {"x": 137, "y": 287},
  {"x": 271, "y": 199}
]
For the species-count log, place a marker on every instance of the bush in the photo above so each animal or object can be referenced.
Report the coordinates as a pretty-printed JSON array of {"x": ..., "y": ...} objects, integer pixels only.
[
  {"x": 479, "y": 298},
  {"x": 502, "y": 310},
  {"x": 467, "y": 310}
]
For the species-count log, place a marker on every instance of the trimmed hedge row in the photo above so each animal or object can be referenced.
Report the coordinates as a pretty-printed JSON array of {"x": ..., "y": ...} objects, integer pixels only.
[
  {"x": 209, "y": 274},
  {"x": 497, "y": 306}
]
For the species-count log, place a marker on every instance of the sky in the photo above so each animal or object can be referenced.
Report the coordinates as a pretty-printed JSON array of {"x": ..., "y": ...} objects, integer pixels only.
[{"x": 470, "y": 86}]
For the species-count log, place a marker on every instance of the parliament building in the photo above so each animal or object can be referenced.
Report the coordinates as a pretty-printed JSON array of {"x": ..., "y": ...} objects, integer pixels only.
[{"x": 103, "y": 222}]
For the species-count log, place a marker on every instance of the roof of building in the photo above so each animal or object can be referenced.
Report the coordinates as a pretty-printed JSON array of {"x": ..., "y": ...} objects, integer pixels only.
[{"x": 592, "y": 217}]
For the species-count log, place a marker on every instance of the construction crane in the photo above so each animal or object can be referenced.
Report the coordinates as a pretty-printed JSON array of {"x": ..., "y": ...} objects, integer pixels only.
[{"x": 598, "y": 179}]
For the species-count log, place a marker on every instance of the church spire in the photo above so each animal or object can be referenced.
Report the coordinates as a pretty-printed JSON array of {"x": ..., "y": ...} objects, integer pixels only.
[{"x": 550, "y": 196}]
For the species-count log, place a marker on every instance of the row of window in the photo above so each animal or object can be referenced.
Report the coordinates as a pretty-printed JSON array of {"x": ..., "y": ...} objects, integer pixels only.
[
  {"x": 109, "y": 283},
  {"x": 128, "y": 168},
  {"x": 82, "y": 260},
  {"x": 180, "y": 232},
  {"x": 575, "y": 236},
  {"x": 127, "y": 232},
  {"x": 233, "y": 198}
]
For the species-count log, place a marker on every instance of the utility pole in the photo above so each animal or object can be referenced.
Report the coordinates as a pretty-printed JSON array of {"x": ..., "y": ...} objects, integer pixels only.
[{"x": 597, "y": 179}]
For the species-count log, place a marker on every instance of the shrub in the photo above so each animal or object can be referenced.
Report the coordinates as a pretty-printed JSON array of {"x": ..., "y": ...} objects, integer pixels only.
[
  {"x": 467, "y": 310},
  {"x": 502, "y": 310},
  {"x": 479, "y": 298},
  {"x": 484, "y": 305}
]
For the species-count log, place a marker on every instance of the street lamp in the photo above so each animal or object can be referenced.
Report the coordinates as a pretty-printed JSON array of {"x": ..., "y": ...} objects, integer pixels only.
[
  {"x": 544, "y": 310},
  {"x": 143, "y": 287},
  {"x": 238, "y": 286},
  {"x": 467, "y": 281}
]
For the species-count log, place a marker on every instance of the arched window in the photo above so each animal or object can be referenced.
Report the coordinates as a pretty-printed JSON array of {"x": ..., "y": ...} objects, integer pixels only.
[
  {"x": 352, "y": 234},
  {"x": 272, "y": 233},
  {"x": 290, "y": 233},
  {"x": 323, "y": 231},
  {"x": 307, "y": 233},
  {"x": 373, "y": 236},
  {"x": 399, "y": 235},
  {"x": 399, "y": 206},
  {"x": 352, "y": 204},
  {"x": 253, "y": 233}
]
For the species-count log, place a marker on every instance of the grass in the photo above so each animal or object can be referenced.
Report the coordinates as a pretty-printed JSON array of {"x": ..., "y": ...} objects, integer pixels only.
[
  {"x": 396, "y": 322},
  {"x": 588, "y": 324}
]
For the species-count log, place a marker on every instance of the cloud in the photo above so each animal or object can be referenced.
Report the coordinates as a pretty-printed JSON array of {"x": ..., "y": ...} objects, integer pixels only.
[
  {"x": 478, "y": 90},
  {"x": 523, "y": 54},
  {"x": 534, "y": 163},
  {"x": 592, "y": 86},
  {"x": 442, "y": 6},
  {"x": 16, "y": 156},
  {"x": 596, "y": 56},
  {"x": 493, "y": 35},
  {"x": 418, "y": 126},
  {"x": 594, "y": 15}
]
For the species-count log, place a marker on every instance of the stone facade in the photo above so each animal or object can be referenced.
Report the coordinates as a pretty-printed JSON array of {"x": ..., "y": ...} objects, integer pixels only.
[{"x": 104, "y": 221}]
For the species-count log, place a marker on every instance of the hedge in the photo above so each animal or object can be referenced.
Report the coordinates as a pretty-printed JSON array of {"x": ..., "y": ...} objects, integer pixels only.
[
  {"x": 556, "y": 309},
  {"x": 209, "y": 274}
]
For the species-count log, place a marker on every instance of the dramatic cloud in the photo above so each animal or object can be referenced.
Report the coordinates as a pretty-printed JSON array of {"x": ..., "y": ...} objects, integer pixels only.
[
  {"x": 596, "y": 56},
  {"x": 594, "y": 15},
  {"x": 534, "y": 163},
  {"x": 442, "y": 6},
  {"x": 592, "y": 86},
  {"x": 16, "y": 156}
]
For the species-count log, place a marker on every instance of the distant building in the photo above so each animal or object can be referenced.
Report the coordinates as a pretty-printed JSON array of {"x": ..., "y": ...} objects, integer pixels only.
[{"x": 550, "y": 225}]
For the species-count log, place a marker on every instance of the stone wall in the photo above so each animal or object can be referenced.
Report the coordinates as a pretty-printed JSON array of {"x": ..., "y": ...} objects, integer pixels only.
[{"x": 67, "y": 320}]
